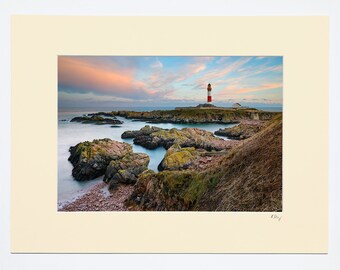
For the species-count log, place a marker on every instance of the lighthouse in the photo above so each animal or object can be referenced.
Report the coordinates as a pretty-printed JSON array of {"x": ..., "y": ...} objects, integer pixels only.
[{"x": 209, "y": 93}]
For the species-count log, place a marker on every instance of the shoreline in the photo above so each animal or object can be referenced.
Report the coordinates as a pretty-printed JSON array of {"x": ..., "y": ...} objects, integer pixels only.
[{"x": 99, "y": 198}]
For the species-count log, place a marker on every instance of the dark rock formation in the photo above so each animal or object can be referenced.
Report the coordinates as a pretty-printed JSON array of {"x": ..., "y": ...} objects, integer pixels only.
[
  {"x": 186, "y": 137},
  {"x": 145, "y": 131},
  {"x": 90, "y": 159},
  {"x": 241, "y": 131},
  {"x": 106, "y": 114},
  {"x": 95, "y": 119},
  {"x": 126, "y": 170},
  {"x": 151, "y": 142}
]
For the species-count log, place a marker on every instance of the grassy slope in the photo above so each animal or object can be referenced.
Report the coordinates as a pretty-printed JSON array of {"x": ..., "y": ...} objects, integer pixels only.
[{"x": 250, "y": 176}]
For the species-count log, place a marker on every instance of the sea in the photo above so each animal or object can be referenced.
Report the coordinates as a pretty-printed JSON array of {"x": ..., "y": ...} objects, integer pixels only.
[{"x": 71, "y": 133}]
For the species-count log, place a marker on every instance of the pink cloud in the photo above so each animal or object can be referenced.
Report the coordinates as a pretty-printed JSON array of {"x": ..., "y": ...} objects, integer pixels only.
[
  {"x": 236, "y": 89},
  {"x": 79, "y": 75}
]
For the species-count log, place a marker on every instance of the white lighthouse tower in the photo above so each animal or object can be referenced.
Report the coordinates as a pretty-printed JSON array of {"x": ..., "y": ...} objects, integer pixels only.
[{"x": 209, "y": 88}]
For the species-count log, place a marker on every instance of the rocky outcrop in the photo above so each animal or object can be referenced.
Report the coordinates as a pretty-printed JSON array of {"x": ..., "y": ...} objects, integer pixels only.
[
  {"x": 164, "y": 191},
  {"x": 97, "y": 120},
  {"x": 241, "y": 131},
  {"x": 90, "y": 159},
  {"x": 177, "y": 158},
  {"x": 106, "y": 114},
  {"x": 186, "y": 137},
  {"x": 189, "y": 158},
  {"x": 145, "y": 131},
  {"x": 126, "y": 170}
]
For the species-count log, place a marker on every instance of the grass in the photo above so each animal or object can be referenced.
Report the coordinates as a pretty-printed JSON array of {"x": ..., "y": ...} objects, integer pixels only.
[{"x": 248, "y": 178}]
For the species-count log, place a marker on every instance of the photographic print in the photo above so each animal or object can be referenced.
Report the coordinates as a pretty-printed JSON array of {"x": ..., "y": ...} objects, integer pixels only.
[
  {"x": 170, "y": 133},
  {"x": 198, "y": 138}
]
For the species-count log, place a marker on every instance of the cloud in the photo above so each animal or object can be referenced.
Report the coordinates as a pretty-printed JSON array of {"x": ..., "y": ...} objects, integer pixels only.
[
  {"x": 197, "y": 65},
  {"x": 221, "y": 71},
  {"x": 157, "y": 64},
  {"x": 80, "y": 76},
  {"x": 161, "y": 82},
  {"x": 89, "y": 97},
  {"x": 236, "y": 89}
]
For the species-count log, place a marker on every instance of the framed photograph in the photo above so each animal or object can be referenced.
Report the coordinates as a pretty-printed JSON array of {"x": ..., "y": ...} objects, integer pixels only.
[
  {"x": 180, "y": 143},
  {"x": 169, "y": 134}
]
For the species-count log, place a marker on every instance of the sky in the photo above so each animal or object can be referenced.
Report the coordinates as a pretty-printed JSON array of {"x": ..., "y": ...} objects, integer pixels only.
[{"x": 168, "y": 81}]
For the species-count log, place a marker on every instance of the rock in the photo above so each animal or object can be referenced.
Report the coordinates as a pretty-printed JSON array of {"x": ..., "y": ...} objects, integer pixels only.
[
  {"x": 148, "y": 141},
  {"x": 122, "y": 176},
  {"x": 177, "y": 158},
  {"x": 241, "y": 131},
  {"x": 164, "y": 191},
  {"x": 186, "y": 137},
  {"x": 147, "y": 130},
  {"x": 189, "y": 158},
  {"x": 107, "y": 114},
  {"x": 126, "y": 170},
  {"x": 90, "y": 159},
  {"x": 95, "y": 119}
]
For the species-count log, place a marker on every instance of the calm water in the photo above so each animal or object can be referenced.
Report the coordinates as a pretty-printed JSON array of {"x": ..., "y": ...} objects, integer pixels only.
[{"x": 69, "y": 134}]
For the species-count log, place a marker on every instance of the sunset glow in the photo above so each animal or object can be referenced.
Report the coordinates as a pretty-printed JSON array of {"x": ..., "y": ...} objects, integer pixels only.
[{"x": 85, "y": 81}]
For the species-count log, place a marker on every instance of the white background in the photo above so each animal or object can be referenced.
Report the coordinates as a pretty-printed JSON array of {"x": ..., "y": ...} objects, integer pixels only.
[{"x": 167, "y": 8}]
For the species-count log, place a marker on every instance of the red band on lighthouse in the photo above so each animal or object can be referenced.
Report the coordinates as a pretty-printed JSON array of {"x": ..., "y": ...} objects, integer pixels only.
[{"x": 209, "y": 99}]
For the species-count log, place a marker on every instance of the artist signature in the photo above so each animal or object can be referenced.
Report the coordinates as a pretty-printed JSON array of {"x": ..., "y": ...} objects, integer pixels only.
[{"x": 276, "y": 217}]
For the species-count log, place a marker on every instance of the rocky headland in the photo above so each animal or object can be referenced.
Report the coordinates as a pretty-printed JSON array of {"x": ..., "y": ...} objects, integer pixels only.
[{"x": 196, "y": 115}]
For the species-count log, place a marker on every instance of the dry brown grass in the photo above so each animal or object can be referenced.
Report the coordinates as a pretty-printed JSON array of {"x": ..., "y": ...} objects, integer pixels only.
[{"x": 250, "y": 177}]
